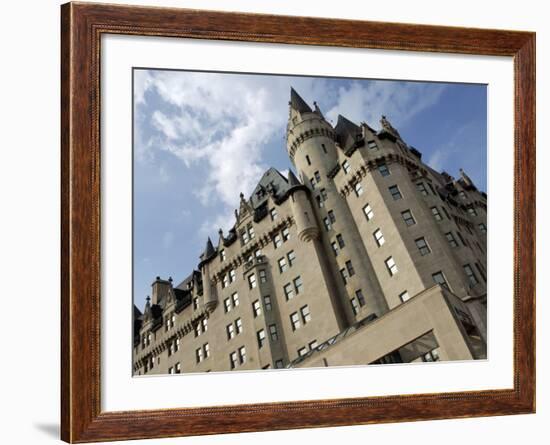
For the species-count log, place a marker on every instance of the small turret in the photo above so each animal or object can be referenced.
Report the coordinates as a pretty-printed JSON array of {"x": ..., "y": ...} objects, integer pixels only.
[
  {"x": 306, "y": 224},
  {"x": 209, "y": 295}
]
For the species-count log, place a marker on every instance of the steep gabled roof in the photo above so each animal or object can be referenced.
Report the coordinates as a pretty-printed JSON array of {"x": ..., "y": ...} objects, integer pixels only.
[
  {"x": 346, "y": 132},
  {"x": 298, "y": 103},
  {"x": 272, "y": 183}
]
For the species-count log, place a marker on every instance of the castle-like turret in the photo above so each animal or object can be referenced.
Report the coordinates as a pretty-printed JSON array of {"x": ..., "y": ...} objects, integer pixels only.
[
  {"x": 310, "y": 138},
  {"x": 301, "y": 208},
  {"x": 210, "y": 300}
]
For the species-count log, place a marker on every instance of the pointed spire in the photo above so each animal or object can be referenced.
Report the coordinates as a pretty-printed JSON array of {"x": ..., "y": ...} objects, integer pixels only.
[
  {"x": 208, "y": 250},
  {"x": 298, "y": 103},
  {"x": 292, "y": 179}
]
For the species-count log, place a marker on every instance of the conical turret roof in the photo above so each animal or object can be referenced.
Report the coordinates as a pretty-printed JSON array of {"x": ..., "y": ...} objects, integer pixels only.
[
  {"x": 208, "y": 250},
  {"x": 298, "y": 103}
]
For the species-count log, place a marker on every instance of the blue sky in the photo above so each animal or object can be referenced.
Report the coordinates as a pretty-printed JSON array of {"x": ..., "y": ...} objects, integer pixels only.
[{"x": 202, "y": 138}]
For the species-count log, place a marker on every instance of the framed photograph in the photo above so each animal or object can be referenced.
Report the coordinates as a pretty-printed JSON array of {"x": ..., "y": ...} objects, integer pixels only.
[{"x": 274, "y": 222}]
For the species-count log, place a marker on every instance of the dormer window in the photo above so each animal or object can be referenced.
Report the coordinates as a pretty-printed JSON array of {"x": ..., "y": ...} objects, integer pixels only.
[{"x": 222, "y": 255}]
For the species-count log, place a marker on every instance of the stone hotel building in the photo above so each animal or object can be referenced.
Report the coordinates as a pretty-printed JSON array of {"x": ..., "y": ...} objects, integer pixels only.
[{"x": 365, "y": 256}]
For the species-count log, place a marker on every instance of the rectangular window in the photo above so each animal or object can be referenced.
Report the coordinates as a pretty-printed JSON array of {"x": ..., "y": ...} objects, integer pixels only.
[
  {"x": 470, "y": 274},
  {"x": 257, "y": 253},
  {"x": 178, "y": 368},
  {"x": 383, "y": 169},
  {"x": 446, "y": 212},
  {"x": 239, "y": 325},
  {"x": 222, "y": 255},
  {"x": 422, "y": 245},
  {"x": 256, "y": 308},
  {"x": 439, "y": 278},
  {"x": 274, "y": 214},
  {"x": 431, "y": 188},
  {"x": 232, "y": 275},
  {"x": 273, "y": 332},
  {"x": 206, "y": 348},
  {"x": 170, "y": 370},
  {"x": 263, "y": 276},
  {"x": 267, "y": 302},
  {"x": 245, "y": 237},
  {"x": 302, "y": 351},
  {"x": 372, "y": 145},
  {"x": 436, "y": 214},
  {"x": 308, "y": 160},
  {"x": 421, "y": 188},
  {"x": 199, "y": 355},
  {"x": 344, "y": 275},
  {"x": 282, "y": 264},
  {"x": 350, "y": 269},
  {"x": 354, "y": 306},
  {"x": 324, "y": 195},
  {"x": 277, "y": 240},
  {"x": 395, "y": 192},
  {"x": 252, "y": 281},
  {"x": 230, "y": 330},
  {"x": 358, "y": 189},
  {"x": 327, "y": 224},
  {"x": 335, "y": 249},
  {"x": 367, "y": 210},
  {"x": 408, "y": 218},
  {"x": 225, "y": 281},
  {"x": 451, "y": 239},
  {"x": 306, "y": 316},
  {"x": 312, "y": 345},
  {"x": 404, "y": 296},
  {"x": 279, "y": 364},
  {"x": 204, "y": 324},
  {"x": 320, "y": 202},
  {"x": 340, "y": 240},
  {"x": 472, "y": 211},
  {"x": 346, "y": 167},
  {"x": 261, "y": 338},
  {"x": 360, "y": 297},
  {"x": 298, "y": 285},
  {"x": 379, "y": 237},
  {"x": 289, "y": 291},
  {"x": 482, "y": 228},
  {"x": 392, "y": 267},
  {"x": 317, "y": 177},
  {"x": 233, "y": 360},
  {"x": 286, "y": 234},
  {"x": 295, "y": 321},
  {"x": 331, "y": 216},
  {"x": 195, "y": 303},
  {"x": 312, "y": 182},
  {"x": 235, "y": 299},
  {"x": 291, "y": 258},
  {"x": 462, "y": 195}
]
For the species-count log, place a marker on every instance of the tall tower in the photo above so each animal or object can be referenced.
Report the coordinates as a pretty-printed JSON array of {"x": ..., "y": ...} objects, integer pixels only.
[{"x": 312, "y": 149}]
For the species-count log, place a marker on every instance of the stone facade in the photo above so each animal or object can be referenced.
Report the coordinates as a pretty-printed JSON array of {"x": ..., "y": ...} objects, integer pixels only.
[{"x": 366, "y": 256}]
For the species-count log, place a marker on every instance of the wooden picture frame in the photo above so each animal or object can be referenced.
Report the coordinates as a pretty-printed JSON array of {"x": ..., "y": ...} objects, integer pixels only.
[{"x": 82, "y": 26}]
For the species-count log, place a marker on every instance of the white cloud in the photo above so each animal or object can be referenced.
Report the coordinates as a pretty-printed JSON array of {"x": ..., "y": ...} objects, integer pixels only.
[{"x": 399, "y": 101}]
